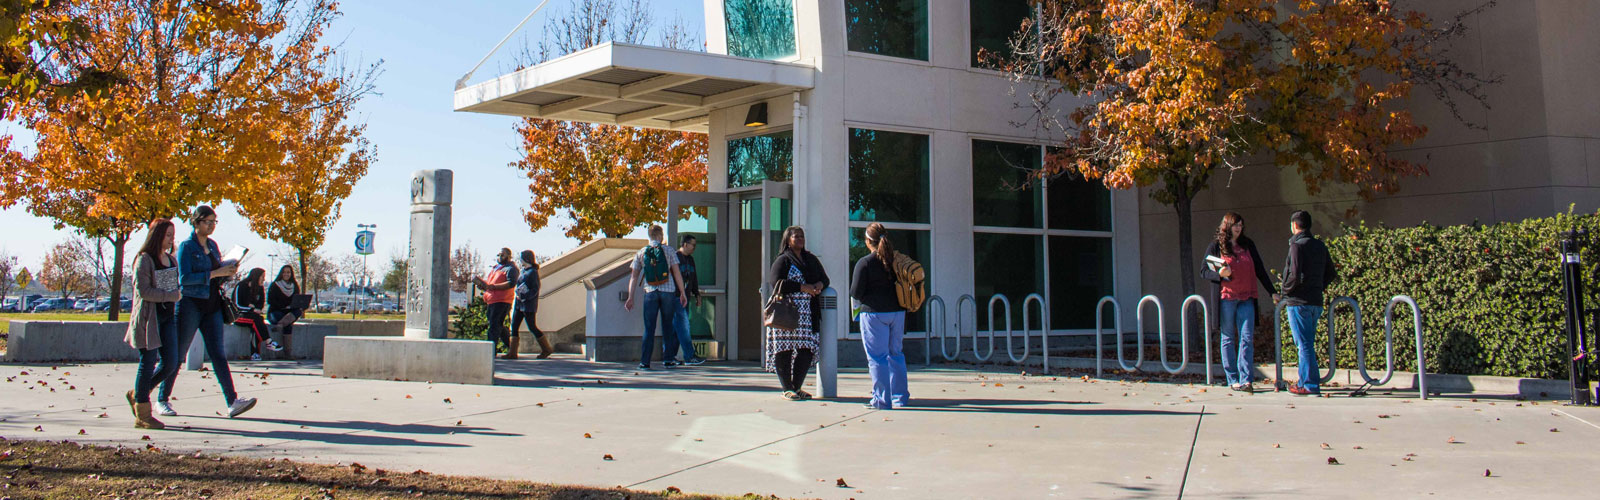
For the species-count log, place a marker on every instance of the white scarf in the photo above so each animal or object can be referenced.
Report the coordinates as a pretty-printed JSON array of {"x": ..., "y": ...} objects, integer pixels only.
[{"x": 287, "y": 287}]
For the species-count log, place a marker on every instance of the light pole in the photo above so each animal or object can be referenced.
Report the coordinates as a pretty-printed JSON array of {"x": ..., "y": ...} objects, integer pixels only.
[{"x": 364, "y": 245}]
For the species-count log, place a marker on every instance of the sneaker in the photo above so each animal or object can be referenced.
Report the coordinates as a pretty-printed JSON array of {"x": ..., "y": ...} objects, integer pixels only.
[
  {"x": 695, "y": 361},
  {"x": 255, "y": 357},
  {"x": 1247, "y": 387},
  {"x": 671, "y": 363},
  {"x": 164, "y": 409},
  {"x": 791, "y": 395},
  {"x": 644, "y": 367},
  {"x": 803, "y": 394},
  {"x": 273, "y": 345},
  {"x": 1301, "y": 391},
  {"x": 240, "y": 406}
]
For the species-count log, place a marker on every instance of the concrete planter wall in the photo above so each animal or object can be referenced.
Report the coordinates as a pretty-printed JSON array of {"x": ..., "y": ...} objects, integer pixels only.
[{"x": 78, "y": 341}]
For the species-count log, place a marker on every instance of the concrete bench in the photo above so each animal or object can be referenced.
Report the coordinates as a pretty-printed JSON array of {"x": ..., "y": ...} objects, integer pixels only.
[{"x": 390, "y": 358}]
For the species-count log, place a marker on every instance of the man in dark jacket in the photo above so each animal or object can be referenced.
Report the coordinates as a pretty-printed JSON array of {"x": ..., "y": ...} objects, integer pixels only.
[{"x": 1307, "y": 273}]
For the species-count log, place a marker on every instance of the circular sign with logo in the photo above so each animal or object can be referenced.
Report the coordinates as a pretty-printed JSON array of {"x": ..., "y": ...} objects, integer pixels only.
[{"x": 364, "y": 242}]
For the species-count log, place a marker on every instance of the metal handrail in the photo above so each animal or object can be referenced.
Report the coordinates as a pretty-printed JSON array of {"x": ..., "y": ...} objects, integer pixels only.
[
  {"x": 1006, "y": 302},
  {"x": 1099, "y": 326},
  {"x": 943, "y": 350},
  {"x": 928, "y": 322},
  {"x": 1044, "y": 330},
  {"x": 1388, "y": 330},
  {"x": 1205, "y": 337}
]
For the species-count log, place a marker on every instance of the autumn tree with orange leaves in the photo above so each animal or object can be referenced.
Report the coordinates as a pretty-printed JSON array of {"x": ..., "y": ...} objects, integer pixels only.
[
  {"x": 1174, "y": 91},
  {"x": 208, "y": 96},
  {"x": 608, "y": 179}
]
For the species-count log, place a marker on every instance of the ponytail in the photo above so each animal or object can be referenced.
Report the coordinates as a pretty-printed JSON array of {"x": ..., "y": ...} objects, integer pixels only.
[{"x": 877, "y": 238}]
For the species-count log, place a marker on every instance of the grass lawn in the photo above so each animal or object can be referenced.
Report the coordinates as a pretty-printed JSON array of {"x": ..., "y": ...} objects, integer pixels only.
[{"x": 35, "y": 469}]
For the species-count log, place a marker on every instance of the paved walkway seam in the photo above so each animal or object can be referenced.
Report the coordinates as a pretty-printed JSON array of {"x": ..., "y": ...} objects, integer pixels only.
[{"x": 1192, "y": 443}]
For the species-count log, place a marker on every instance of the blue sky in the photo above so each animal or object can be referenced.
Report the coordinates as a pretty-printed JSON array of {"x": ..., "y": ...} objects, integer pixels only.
[{"x": 425, "y": 46}]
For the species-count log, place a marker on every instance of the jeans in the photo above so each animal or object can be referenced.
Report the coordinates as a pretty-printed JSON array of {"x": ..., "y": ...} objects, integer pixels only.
[
  {"x": 273, "y": 317},
  {"x": 150, "y": 373},
  {"x": 194, "y": 315},
  {"x": 522, "y": 313},
  {"x": 882, "y": 335},
  {"x": 662, "y": 306},
  {"x": 1238, "y": 332},
  {"x": 680, "y": 323},
  {"x": 1303, "y": 323},
  {"x": 497, "y": 324}
]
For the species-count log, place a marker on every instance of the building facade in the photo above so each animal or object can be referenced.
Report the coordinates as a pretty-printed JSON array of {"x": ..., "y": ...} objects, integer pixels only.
[{"x": 833, "y": 114}]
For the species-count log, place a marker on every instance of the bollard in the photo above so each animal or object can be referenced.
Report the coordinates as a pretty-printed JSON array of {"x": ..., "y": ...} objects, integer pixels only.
[{"x": 828, "y": 373}]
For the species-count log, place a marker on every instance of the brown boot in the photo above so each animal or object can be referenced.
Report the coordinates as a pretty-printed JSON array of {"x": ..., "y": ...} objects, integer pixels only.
[
  {"x": 544, "y": 347},
  {"x": 143, "y": 418},
  {"x": 131, "y": 405},
  {"x": 511, "y": 347}
]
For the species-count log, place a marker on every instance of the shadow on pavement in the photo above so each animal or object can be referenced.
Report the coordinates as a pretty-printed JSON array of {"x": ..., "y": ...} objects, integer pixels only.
[
  {"x": 387, "y": 428},
  {"x": 1021, "y": 407},
  {"x": 344, "y": 438}
]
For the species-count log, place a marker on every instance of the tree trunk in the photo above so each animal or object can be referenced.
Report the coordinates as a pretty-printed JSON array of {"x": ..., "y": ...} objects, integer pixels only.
[
  {"x": 120, "y": 243},
  {"x": 1183, "y": 202},
  {"x": 305, "y": 278}
]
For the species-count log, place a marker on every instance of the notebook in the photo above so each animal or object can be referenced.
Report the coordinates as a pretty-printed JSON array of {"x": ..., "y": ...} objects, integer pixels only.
[{"x": 167, "y": 279}]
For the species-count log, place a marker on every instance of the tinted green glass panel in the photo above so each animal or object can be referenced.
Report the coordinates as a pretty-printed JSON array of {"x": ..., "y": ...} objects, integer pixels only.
[
  {"x": 917, "y": 244},
  {"x": 702, "y": 223},
  {"x": 888, "y": 176},
  {"x": 1009, "y": 264},
  {"x": 702, "y": 318},
  {"x": 897, "y": 28},
  {"x": 994, "y": 23},
  {"x": 758, "y": 158},
  {"x": 1077, "y": 203},
  {"x": 999, "y": 170},
  {"x": 760, "y": 29},
  {"x": 1080, "y": 274}
]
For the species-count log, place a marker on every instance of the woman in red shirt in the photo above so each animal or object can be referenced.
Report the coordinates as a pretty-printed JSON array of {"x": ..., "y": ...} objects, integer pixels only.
[{"x": 1234, "y": 267}]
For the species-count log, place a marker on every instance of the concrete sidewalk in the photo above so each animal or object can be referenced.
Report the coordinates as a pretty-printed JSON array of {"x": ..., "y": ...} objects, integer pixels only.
[{"x": 721, "y": 428}]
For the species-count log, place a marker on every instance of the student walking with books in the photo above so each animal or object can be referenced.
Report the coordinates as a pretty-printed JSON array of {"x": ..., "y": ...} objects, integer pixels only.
[
  {"x": 153, "y": 327},
  {"x": 201, "y": 273},
  {"x": 1234, "y": 267}
]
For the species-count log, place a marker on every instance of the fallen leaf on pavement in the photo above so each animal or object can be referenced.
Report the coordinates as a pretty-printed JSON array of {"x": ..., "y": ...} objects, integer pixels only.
[
  {"x": 447, "y": 400},
  {"x": 1326, "y": 447},
  {"x": 587, "y": 436},
  {"x": 1276, "y": 445},
  {"x": 1452, "y": 440},
  {"x": 841, "y": 483},
  {"x": 608, "y": 457},
  {"x": 1333, "y": 461},
  {"x": 1486, "y": 473}
]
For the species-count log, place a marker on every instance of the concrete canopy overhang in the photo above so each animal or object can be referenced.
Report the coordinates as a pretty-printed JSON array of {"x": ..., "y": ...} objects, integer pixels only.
[{"x": 635, "y": 85}]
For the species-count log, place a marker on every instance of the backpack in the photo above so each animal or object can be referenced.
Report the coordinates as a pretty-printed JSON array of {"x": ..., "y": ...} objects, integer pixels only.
[
  {"x": 656, "y": 272},
  {"x": 909, "y": 280}
]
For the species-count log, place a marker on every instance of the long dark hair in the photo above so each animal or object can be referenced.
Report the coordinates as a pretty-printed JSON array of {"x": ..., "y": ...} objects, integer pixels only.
[
  {"x": 877, "y": 238},
  {"x": 155, "y": 237},
  {"x": 291, "y": 280},
  {"x": 1225, "y": 233},
  {"x": 788, "y": 233},
  {"x": 255, "y": 276}
]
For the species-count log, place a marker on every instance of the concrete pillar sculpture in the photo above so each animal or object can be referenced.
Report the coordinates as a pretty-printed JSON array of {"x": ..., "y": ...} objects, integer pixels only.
[{"x": 428, "y": 283}]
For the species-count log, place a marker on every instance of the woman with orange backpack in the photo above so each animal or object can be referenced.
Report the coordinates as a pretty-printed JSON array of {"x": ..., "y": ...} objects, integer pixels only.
[{"x": 883, "y": 321}]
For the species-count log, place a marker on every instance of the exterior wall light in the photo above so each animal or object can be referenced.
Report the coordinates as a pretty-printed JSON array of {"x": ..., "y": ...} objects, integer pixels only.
[{"x": 757, "y": 116}]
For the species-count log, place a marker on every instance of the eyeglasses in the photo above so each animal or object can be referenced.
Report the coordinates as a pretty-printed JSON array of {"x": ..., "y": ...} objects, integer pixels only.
[{"x": 206, "y": 221}]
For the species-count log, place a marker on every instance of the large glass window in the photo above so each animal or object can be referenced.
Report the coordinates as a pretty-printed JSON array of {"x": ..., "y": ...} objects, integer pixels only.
[
  {"x": 915, "y": 243},
  {"x": 760, "y": 29},
  {"x": 1009, "y": 264},
  {"x": 1014, "y": 233},
  {"x": 994, "y": 23},
  {"x": 760, "y": 158},
  {"x": 1002, "y": 193},
  {"x": 889, "y": 176},
  {"x": 896, "y": 28},
  {"x": 1080, "y": 274}
]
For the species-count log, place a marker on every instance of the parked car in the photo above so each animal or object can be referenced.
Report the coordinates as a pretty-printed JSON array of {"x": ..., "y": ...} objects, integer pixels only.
[
  {"x": 323, "y": 307},
  {"x": 127, "y": 305},
  {"x": 57, "y": 304},
  {"x": 84, "y": 304},
  {"x": 11, "y": 304},
  {"x": 33, "y": 302}
]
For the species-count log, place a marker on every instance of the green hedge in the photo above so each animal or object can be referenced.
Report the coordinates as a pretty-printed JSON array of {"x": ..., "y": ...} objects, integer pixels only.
[
  {"x": 1490, "y": 295},
  {"x": 470, "y": 322}
]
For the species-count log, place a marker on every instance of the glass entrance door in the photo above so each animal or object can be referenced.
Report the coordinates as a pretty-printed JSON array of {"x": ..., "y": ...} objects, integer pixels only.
[
  {"x": 763, "y": 215},
  {"x": 706, "y": 217}
]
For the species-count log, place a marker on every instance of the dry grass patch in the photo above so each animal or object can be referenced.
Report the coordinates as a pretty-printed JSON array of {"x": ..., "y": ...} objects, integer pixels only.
[{"x": 51, "y": 470}]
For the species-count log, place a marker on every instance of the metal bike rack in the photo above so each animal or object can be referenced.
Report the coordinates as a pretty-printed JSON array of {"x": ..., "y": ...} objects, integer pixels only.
[
  {"x": 1099, "y": 326},
  {"x": 1183, "y": 329},
  {"x": 1007, "y": 303},
  {"x": 930, "y": 324},
  {"x": 1044, "y": 330},
  {"x": 1161, "y": 332},
  {"x": 1388, "y": 331},
  {"x": 961, "y": 328}
]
